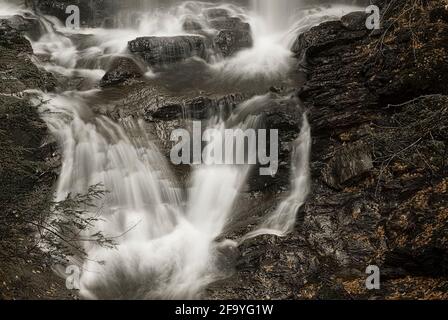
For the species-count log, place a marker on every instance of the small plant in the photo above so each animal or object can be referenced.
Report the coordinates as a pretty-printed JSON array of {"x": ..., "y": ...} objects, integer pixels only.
[{"x": 67, "y": 229}]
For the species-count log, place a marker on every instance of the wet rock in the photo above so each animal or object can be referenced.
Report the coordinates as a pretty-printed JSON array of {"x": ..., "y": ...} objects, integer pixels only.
[
  {"x": 229, "y": 23},
  {"x": 121, "y": 70},
  {"x": 348, "y": 163},
  {"x": 283, "y": 113},
  {"x": 198, "y": 108},
  {"x": 159, "y": 51},
  {"x": 17, "y": 71},
  {"x": 233, "y": 35},
  {"x": 231, "y": 41},
  {"x": 230, "y": 34},
  {"x": 379, "y": 122},
  {"x": 355, "y": 21},
  {"x": 27, "y": 24},
  {"x": 11, "y": 38}
]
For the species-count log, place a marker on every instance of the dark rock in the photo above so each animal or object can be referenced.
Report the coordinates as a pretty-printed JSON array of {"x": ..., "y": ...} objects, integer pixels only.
[
  {"x": 274, "y": 112},
  {"x": 379, "y": 121},
  {"x": 17, "y": 71},
  {"x": 324, "y": 37},
  {"x": 349, "y": 162},
  {"x": 231, "y": 41},
  {"x": 159, "y": 51},
  {"x": 355, "y": 21},
  {"x": 231, "y": 34},
  {"x": 229, "y": 23},
  {"x": 439, "y": 13},
  {"x": 199, "y": 108},
  {"x": 12, "y": 38},
  {"x": 121, "y": 70},
  {"x": 29, "y": 25}
]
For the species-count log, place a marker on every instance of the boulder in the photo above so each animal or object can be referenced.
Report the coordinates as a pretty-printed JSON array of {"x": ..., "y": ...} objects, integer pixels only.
[
  {"x": 230, "y": 42},
  {"x": 121, "y": 70},
  {"x": 229, "y": 34},
  {"x": 27, "y": 24},
  {"x": 355, "y": 21},
  {"x": 159, "y": 51},
  {"x": 232, "y": 36}
]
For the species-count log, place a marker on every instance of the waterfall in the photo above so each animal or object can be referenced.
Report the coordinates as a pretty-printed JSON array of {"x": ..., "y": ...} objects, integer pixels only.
[
  {"x": 277, "y": 14},
  {"x": 282, "y": 220},
  {"x": 165, "y": 249},
  {"x": 166, "y": 237}
]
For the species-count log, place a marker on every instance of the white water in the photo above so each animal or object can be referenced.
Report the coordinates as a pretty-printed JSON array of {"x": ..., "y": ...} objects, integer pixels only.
[
  {"x": 166, "y": 239},
  {"x": 270, "y": 58},
  {"x": 279, "y": 14},
  {"x": 282, "y": 220}
]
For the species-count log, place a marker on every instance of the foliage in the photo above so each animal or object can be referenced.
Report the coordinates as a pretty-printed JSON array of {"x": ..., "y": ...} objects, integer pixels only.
[{"x": 31, "y": 222}]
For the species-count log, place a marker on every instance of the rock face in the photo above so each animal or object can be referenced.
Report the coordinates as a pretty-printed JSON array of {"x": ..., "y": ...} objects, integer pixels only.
[
  {"x": 28, "y": 25},
  {"x": 17, "y": 71},
  {"x": 378, "y": 111},
  {"x": 26, "y": 173},
  {"x": 273, "y": 111},
  {"x": 12, "y": 38},
  {"x": 281, "y": 112},
  {"x": 159, "y": 51},
  {"x": 347, "y": 163}
]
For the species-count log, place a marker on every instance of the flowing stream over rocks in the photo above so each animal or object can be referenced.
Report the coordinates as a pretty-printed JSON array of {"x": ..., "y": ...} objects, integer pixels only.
[{"x": 171, "y": 233}]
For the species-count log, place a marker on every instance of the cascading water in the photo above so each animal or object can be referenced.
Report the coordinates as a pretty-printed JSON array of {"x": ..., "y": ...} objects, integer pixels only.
[
  {"x": 277, "y": 15},
  {"x": 166, "y": 237}
]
